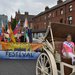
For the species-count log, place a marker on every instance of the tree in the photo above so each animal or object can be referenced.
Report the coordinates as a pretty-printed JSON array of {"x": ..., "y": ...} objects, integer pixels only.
[{"x": 13, "y": 25}]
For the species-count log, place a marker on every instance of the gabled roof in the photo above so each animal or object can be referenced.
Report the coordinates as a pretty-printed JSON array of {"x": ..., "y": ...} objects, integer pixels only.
[
  {"x": 22, "y": 17},
  {"x": 55, "y": 7}
]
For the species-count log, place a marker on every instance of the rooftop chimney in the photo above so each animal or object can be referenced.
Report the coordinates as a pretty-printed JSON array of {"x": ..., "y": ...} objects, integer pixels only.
[
  {"x": 59, "y": 1},
  {"x": 18, "y": 11},
  {"x": 26, "y": 13},
  {"x": 46, "y": 8}
]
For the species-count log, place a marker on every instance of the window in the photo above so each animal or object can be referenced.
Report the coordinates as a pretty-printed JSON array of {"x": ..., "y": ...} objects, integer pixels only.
[
  {"x": 32, "y": 35},
  {"x": 45, "y": 17},
  {"x": 44, "y": 23},
  {"x": 61, "y": 11},
  {"x": 70, "y": 8},
  {"x": 43, "y": 34},
  {"x": 70, "y": 19},
  {"x": 49, "y": 15},
  {"x": 53, "y": 14},
  {"x": 61, "y": 20}
]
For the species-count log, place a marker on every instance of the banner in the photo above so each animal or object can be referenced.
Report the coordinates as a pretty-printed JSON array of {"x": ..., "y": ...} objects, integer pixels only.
[{"x": 19, "y": 55}]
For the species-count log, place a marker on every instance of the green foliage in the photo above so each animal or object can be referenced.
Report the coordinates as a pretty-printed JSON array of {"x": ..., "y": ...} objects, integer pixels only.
[{"x": 13, "y": 25}]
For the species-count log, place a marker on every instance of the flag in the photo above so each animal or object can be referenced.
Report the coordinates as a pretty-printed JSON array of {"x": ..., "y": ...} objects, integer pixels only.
[
  {"x": 26, "y": 23},
  {"x": 26, "y": 30},
  {"x": 11, "y": 34},
  {"x": 8, "y": 31},
  {"x": 16, "y": 30},
  {"x": 3, "y": 27},
  {"x": 26, "y": 35},
  {"x": 6, "y": 35}
]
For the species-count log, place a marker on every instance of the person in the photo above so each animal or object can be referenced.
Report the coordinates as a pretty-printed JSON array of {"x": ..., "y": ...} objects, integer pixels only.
[
  {"x": 22, "y": 38},
  {"x": 68, "y": 48}
]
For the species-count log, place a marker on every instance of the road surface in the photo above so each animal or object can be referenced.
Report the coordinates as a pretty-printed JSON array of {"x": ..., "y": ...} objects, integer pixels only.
[{"x": 17, "y": 67}]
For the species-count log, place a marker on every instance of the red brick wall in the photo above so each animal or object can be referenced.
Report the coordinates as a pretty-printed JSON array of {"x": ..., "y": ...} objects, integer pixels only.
[{"x": 41, "y": 22}]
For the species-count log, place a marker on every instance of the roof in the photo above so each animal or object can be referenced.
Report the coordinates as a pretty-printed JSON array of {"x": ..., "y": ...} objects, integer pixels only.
[
  {"x": 22, "y": 17},
  {"x": 55, "y": 7},
  {"x": 61, "y": 30}
]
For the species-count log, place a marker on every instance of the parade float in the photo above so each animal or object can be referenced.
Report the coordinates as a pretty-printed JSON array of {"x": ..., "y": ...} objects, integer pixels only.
[{"x": 11, "y": 46}]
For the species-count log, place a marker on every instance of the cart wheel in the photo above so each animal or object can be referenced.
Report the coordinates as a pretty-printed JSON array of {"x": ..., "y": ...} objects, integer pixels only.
[{"x": 43, "y": 65}]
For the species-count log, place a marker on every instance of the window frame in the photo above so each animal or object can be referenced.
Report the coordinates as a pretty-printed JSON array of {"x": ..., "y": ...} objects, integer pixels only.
[
  {"x": 70, "y": 18},
  {"x": 70, "y": 8},
  {"x": 61, "y": 11}
]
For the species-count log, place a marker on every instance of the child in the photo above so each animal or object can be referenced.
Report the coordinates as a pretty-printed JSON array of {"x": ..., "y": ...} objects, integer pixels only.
[{"x": 68, "y": 48}]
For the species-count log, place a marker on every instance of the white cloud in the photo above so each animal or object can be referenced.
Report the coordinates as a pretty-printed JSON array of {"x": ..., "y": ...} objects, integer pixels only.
[{"x": 9, "y": 7}]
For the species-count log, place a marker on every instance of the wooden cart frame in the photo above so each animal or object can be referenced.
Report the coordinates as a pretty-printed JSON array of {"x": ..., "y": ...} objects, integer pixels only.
[{"x": 46, "y": 62}]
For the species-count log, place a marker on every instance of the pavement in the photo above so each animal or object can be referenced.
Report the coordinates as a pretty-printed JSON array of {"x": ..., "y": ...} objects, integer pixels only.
[{"x": 17, "y": 67}]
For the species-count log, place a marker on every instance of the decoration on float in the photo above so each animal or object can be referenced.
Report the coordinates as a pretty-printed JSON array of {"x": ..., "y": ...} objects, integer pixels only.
[
  {"x": 18, "y": 55},
  {"x": 10, "y": 48}
]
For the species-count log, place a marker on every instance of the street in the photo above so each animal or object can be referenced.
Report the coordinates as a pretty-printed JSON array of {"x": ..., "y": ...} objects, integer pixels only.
[{"x": 17, "y": 67}]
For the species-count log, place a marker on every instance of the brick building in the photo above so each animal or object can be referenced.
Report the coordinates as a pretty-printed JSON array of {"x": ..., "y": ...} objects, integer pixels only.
[
  {"x": 21, "y": 17},
  {"x": 4, "y": 19},
  {"x": 63, "y": 12}
]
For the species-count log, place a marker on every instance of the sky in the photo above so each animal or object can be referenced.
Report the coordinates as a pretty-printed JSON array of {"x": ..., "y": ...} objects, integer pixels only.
[{"x": 34, "y": 7}]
